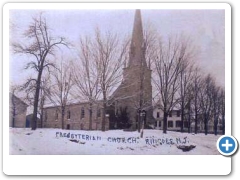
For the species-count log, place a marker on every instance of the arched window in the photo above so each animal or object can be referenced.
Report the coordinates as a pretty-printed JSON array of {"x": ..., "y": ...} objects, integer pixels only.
[
  {"x": 82, "y": 113},
  {"x": 68, "y": 114},
  {"x": 98, "y": 112}
]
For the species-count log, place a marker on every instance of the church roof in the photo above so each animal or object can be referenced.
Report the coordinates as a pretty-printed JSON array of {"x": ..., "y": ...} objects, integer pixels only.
[
  {"x": 137, "y": 34},
  {"x": 137, "y": 43},
  {"x": 17, "y": 98}
]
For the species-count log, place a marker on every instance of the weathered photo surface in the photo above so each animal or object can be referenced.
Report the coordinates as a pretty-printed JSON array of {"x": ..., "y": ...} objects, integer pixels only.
[{"x": 116, "y": 81}]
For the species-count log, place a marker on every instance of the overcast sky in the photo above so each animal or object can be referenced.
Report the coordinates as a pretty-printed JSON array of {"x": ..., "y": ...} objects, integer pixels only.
[{"x": 204, "y": 27}]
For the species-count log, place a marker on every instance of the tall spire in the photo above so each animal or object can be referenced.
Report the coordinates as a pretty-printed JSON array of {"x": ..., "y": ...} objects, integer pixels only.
[
  {"x": 137, "y": 43},
  {"x": 137, "y": 34}
]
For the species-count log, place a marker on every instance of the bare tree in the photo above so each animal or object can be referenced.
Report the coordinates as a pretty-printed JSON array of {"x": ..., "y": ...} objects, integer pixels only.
[
  {"x": 206, "y": 100},
  {"x": 109, "y": 56},
  {"x": 167, "y": 69},
  {"x": 222, "y": 109},
  {"x": 197, "y": 79},
  {"x": 185, "y": 80},
  {"x": 28, "y": 88},
  {"x": 216, "y": 107},
  {"x": 189, "y": 107},
  {"x": 40, "y": 45},
  {"x": 85, "y": 76},
  {"x": 185, "y": 96},
  {"x": 62, "y": 82},
  {"x": 151, "y": 38}
]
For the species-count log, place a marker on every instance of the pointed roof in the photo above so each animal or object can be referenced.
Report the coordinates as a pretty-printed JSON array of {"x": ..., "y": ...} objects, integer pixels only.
[
  {"x": 137, "y": 43},
  {"x": 137, "y": 34},
  {"x": 11, "y": 95}
]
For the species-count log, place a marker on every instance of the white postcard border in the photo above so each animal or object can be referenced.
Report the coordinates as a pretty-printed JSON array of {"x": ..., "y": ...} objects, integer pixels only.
[{"x": 113, "y": 164}]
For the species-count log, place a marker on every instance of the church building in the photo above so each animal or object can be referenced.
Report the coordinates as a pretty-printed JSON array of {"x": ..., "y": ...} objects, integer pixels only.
[
  {"x": 131, "y": 101},
  {"x": 135, "y": 92}
]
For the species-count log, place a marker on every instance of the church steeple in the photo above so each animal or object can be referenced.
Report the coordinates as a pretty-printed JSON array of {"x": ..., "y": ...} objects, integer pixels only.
[
  {"x": 135, "y": 91},
  {"x": 137, "y": 49}
]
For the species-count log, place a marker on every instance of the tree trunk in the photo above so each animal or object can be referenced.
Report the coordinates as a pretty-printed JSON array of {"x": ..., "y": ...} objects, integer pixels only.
[
  {"x": 215, "y": 125},
  {"x": 196, "y": 123},
  {"x": 90, "y": 116},
  {"x": 165, "y": 122},
  {"x": 196, "y": 115},
  {"x": 104, "y": 116},
  {"x": 196, "y": 105},
  {"x": 142, "y": 119},
  {"x": 139, "y": 121},
  {"x": 223, "y": 124},
  {"x": 104, "y": 111},
  {"x": 182, "y": 117},
  {"x": 14, "y": 111},
  {"x": 13, "y": 116},
  {"x": 189, "y": 121},
  {"x": 35, "y": 106},
  {"x": 41, "y": 114},
  {"x": 206, "y": 124},
  {"x": 42, "y": 101},
  {"x": 36, "y": 98},
  {"x": 62, "y": 116},
  {"x": 34, "y": 119}
]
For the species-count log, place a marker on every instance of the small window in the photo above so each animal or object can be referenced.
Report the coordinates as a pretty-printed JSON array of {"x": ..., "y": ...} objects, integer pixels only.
[
  {"x": 170, "y": 124},
  {"x": 158, "y": 114},
  {"x": 82, "y": 113},
  {"x": 68, "y": 114},
  {"x": 170, "y": 114},
  {"x": 160, "y": 123},
  {"x": 178, "y": 113},
  {"x": 99, "y": 113},
  {"x": 178, "y": 123}
]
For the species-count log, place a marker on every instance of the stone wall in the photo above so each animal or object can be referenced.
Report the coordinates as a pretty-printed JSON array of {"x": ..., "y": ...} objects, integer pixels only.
[
  {"x": 76, "y": 117},
  {"x": 128, "y": 93}
]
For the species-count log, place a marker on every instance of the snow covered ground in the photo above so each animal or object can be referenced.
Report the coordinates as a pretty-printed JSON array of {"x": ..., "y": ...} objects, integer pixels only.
[{"x": 24, "y": 141}]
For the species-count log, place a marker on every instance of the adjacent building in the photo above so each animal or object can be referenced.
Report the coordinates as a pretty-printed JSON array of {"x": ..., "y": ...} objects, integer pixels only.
[
  {"x": 17, "y": 113},
  {"x": 174, "y": 122}
]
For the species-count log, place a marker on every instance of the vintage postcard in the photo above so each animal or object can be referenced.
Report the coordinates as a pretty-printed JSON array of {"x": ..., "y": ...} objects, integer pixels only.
[{"x": 150, "y": 79}]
